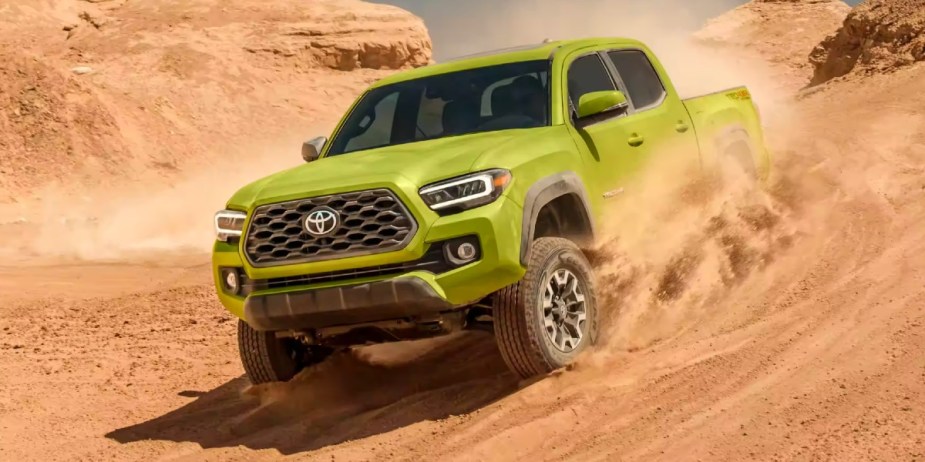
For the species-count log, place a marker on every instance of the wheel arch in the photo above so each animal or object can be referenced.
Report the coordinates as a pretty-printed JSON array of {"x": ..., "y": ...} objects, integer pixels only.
[
  {"x": 560, "y": 188},
  {"x": 720, "y": 120},
  {"x": 734, "y": 141}
]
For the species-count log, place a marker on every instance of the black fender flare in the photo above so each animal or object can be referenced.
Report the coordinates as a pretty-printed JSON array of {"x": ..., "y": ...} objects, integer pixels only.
[{"x": 544, "y": 191}]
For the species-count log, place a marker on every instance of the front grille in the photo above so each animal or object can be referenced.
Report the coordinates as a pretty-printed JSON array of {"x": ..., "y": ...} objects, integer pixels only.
[
  {"x": 372, "y": 221},
  {"x": 433, "y": 261}
]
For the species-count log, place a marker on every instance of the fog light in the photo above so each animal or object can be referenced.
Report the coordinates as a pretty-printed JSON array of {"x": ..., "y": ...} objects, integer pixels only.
[
  {"x": 231, "y": 280},
  {"x": 466, "y": 251},
  {"x": 462, "y": 251}
]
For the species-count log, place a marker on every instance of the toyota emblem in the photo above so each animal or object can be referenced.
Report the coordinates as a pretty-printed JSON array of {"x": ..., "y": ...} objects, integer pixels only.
[{"x": 321, "y": 221}]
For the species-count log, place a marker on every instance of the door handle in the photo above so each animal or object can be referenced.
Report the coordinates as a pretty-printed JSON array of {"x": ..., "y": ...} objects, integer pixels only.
[
  {"x": 682, "y": 127},
  {"x": 635, "y": 140}
]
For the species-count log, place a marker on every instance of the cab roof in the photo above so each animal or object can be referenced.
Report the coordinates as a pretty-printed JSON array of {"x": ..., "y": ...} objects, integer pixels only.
[{"x": 533, "y": 52}]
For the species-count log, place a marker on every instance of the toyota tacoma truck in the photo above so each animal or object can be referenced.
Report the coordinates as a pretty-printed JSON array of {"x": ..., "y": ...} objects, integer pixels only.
[{"x": 459, "y": 196}]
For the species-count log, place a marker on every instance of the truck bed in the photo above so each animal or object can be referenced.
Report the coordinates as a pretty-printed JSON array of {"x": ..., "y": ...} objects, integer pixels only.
[{"x": 725, "y": 114}]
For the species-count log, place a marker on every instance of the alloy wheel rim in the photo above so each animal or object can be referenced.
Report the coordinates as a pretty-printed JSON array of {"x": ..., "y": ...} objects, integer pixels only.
[{"x": 564, "y": 310}]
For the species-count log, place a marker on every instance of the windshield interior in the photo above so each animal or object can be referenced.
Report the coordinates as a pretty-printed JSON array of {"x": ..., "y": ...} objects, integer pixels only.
[{"x": 485, "y": 99}]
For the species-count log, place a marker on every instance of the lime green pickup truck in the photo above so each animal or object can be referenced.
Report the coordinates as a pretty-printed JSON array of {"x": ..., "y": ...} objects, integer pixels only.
[{"x": 460, "y": 196}]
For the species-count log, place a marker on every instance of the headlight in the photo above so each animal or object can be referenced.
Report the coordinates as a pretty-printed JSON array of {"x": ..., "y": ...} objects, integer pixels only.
[
  {"x": 466, "y": 192},
  {"x": 228, "y": 224}
]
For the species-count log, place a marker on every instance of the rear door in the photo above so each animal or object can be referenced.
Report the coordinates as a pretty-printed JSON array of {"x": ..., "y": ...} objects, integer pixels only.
[{"x": 660, "y": 119}]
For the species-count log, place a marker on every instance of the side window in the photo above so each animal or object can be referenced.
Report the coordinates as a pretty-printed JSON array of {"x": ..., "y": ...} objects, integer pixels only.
[
  {"x": 587, "y": 74},
  {"x": 642, "y": 83},
  {"x": 376, "y": 128}
]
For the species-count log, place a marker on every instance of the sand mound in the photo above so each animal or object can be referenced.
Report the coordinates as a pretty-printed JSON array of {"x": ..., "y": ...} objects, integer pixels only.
[
  {"x": 49, "y": 122},
  {"x": 878, "y": 36},
  {"x": 781, "y": 32},
  {"x": 109, "y": 91}
]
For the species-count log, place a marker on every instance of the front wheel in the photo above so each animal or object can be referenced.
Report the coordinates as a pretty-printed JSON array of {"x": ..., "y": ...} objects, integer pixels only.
[
  {"x": 546, "y": 320},
  {"x": 268, "y": 358}
]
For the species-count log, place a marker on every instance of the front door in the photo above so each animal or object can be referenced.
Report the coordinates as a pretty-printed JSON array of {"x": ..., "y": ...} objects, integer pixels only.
[{"x": 616, "y": 147}]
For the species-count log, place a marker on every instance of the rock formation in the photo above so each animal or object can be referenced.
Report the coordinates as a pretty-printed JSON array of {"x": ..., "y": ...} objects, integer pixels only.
[
  {"x": 782, "y": 32},
  {"x": 99, "y": 90},
  {"x": 877, "y": 36}
]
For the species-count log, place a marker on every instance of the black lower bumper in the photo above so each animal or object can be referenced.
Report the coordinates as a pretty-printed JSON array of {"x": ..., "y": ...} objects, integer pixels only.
[{"x": 338, "y": 306}]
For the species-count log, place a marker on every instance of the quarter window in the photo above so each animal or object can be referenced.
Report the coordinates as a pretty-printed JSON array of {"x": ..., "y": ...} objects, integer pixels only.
[{"x": 642, "y": 82}]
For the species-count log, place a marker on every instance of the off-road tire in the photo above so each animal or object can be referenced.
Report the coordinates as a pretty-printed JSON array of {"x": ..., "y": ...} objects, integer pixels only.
[
  {"x": 267, "y": 358},
  {"x": 518, "y": 319}
]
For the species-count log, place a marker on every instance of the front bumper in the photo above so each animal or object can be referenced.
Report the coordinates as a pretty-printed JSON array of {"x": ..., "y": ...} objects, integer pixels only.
[
  {"x": 497, "y": 226},
  {"x": 396, "y": 298}
]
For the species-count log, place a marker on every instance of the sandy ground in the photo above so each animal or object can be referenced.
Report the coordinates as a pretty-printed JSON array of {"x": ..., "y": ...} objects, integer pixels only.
[{"x": 787, "y": 324}]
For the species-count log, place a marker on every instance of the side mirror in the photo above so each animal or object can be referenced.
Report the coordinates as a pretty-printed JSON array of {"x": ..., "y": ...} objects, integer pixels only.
[
  {"x": 311, "y": 149},
  {"x": 602, "y": 102}
]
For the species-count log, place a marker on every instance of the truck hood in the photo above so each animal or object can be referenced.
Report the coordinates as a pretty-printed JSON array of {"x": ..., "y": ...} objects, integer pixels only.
[{"x": 412, "y": 165}]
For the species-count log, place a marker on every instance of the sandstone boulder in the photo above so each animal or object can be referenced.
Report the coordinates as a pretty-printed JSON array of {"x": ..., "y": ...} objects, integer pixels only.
[{"x": 877, "y": 36}]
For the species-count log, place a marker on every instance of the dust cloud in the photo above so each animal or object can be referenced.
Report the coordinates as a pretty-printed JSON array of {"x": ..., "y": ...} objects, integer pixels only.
[
  {"x": 146, "y": 219},
  {"x": 380, "y": 378},
  {"x": 678, "y": 242}
]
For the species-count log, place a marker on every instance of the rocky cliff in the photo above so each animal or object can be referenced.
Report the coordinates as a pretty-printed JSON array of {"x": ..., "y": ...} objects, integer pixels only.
[
  {"x": 782, "y": 32},
  {"x": 878, "y": 36},
  {"x": 105, "y": 90}
]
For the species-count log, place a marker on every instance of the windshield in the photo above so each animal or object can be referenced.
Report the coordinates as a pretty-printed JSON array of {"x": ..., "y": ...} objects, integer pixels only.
[{"x": 485, "y": 99}]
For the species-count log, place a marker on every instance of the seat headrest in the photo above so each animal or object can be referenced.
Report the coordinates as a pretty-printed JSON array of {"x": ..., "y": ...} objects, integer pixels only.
[
  {"x": 502, "y": 100},
  {"x": 460, "y": 116}
]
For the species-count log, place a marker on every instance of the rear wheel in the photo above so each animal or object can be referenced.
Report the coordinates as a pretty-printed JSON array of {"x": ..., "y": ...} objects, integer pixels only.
[
  {"x": 267, "y": 358},
  {"x": 547, "y": 319}
]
